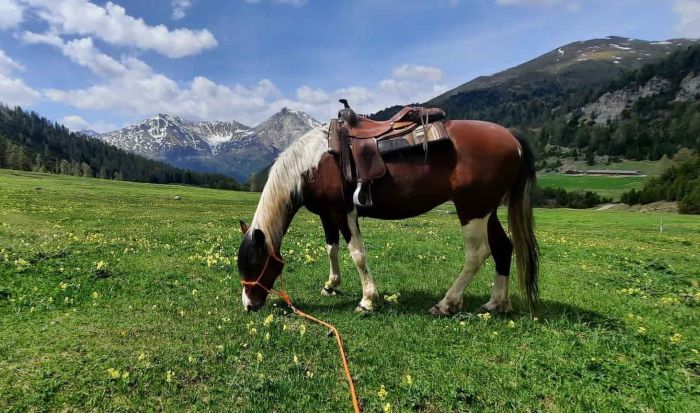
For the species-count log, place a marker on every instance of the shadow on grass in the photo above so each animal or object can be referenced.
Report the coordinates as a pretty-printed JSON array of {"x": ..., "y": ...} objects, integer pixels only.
[{"x": 417, "y": 302}]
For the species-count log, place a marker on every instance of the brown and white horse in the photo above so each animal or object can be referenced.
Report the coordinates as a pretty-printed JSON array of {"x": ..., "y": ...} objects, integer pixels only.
[{"x": 481, "y": 165}]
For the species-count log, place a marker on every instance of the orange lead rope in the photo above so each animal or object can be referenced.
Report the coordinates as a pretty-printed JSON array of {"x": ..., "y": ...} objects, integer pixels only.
[{"x": 284, "y": 296}]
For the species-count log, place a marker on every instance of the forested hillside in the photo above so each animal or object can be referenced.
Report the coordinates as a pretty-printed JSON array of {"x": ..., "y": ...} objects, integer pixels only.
[
  {"x": 646, "y": 113},
  {"x": 678, "y": 183},
  {"x": 30, "y": 142},
  {"x": 579, "y": 100}
]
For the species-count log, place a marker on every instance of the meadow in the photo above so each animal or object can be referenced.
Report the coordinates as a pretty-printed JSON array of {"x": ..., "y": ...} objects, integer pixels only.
[
  {"x": 116, "y": 296},
  {"x": 606, "y": 186}
]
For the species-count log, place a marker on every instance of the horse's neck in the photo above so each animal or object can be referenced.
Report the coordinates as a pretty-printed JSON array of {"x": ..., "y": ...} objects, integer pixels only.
[{"x": 274, "y": 215}]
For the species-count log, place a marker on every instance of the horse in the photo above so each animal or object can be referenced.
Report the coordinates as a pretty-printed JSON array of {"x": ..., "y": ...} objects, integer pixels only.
[{"x": 482, "y": 166}]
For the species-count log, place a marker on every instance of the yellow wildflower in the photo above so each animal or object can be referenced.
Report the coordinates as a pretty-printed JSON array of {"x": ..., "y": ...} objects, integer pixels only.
[
  {"x": 511, "y": 324},
  {"x": 408, "y": 379},
  {"x": 302, "y": 329},
  {"x": 253, "y": 331},
  {"x": 142, "y": 356},
  {"x": 100, "y": 265},
  {"x": 95, "y": 294},
  {"x": 484, "y": 316},
  {"x": 169, "y": 376},
  {"x": 676, "y": 338},
  {"x": 669, "y": 300},
  {"x": 394, "y": 298},
  {"x": 268, "y": 320},
  {"x": 259, "y": 356},
  {"x": 63, "y": 286},
  {"x": 387, "y": 408},
  {"x": 296, "y": 359},
  {"x": 125, "y": 376},
  {"x": 309, "y": 374},
  {"x": 382, "y": 393},
  {"x": 641, "y": 330},
  {"x": 267, "y": 336},
  {"x": 113, "y": 373},
  {"x": 194, "y": 292}
]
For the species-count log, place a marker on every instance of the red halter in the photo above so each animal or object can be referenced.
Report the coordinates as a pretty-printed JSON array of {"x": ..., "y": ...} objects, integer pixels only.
[{"x": 282, "y": 293}]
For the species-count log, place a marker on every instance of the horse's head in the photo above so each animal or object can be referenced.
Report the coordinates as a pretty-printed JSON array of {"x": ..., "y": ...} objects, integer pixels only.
[{"x": 259, "y": 267}]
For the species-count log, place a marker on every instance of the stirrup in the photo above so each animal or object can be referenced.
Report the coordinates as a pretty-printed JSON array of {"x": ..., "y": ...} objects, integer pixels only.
[{"x": 356, "y": 196}]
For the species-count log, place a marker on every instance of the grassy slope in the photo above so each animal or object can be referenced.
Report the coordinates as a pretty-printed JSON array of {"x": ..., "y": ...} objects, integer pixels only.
[
  {"x": 159, "y": 308},
  {"x": 607, "y": 186}
]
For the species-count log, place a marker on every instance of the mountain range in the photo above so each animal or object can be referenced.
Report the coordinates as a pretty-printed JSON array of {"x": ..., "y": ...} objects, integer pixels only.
[{"x": 227, "y": 147}]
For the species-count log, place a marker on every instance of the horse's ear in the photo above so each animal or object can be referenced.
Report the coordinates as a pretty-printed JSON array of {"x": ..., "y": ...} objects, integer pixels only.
[
  {"x": 244, "y": 227},
  {"x": 258, "y": 237}
]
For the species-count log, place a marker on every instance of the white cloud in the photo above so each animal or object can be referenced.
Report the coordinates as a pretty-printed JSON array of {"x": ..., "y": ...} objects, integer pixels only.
[
  {"x": 689, "y": 12},
  {"x": 408, "y": 84},
  {"x": 180, "y": 8},
  {"x": 13, "y": 90},
  {"x": 312, "y": 96},
  {"x": 113, "y": 25},
  {"x": 7, "y": 65},
  {"x": 77, "y": 123},
  {"x": 10, "y": 14},
  {"x": 131, "y": 86},
  {"x": 414, "y": 72}
]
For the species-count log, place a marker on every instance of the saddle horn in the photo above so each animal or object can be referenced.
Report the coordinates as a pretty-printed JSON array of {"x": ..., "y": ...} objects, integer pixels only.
[{"x": 347, "y": 114}]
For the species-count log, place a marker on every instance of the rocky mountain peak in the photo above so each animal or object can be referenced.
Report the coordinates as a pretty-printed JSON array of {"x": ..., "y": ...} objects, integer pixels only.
[{"x": 229, "y": 147}]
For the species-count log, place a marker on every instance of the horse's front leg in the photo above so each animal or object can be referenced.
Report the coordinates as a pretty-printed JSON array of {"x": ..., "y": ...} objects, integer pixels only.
[
  {"x": 332, "y": 235},
  {"x": 357, "y": 252}
]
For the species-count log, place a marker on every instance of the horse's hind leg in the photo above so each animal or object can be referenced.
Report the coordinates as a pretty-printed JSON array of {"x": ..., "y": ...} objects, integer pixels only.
[
  {"x": 502, "y": 251},
  {"x": 332, "y": 235},
  {"x": 357, "y": 252},
  {"x": 476, "y": 251}
]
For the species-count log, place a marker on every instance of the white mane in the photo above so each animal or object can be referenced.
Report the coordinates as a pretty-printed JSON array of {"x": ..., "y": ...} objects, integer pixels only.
[{"x": 284, "y": 182}]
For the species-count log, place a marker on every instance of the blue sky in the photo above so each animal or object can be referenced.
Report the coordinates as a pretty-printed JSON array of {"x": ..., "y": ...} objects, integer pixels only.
[{"x": 101, "y": 65}]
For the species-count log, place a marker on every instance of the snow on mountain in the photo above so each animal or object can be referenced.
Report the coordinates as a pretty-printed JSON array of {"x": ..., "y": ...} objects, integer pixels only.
[
  {"x": 89, "y": 133},
  {"x": 228, "y": 147},
  {"x": 282, "y": 128},
  {"x": 217, "y": 132},
  {"x": 155, "y": 136}
]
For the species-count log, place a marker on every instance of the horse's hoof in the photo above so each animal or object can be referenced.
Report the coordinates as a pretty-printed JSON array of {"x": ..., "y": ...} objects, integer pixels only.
[
  {"x": 436, "y": 310},
  {"x": 329, "y": 292},
  {"x": 362, "y": 309},
  {"x": 500, "y": 307}
]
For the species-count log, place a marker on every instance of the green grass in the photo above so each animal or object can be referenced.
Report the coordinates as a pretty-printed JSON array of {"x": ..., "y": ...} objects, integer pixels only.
[
  {"x": 617, "y": 329},
  {"x": 607, "y": 186}
]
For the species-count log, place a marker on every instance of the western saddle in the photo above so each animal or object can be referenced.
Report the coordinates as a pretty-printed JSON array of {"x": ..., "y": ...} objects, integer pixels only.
[{"x": 360, "y": 142}]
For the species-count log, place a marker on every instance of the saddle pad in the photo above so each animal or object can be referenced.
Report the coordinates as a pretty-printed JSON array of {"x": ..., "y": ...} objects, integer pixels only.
[{"x": 419, "y": 136}]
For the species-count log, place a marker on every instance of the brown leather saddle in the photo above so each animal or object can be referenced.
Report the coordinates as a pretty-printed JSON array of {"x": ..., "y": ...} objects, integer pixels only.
[{"x": 360, "y": 142}]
